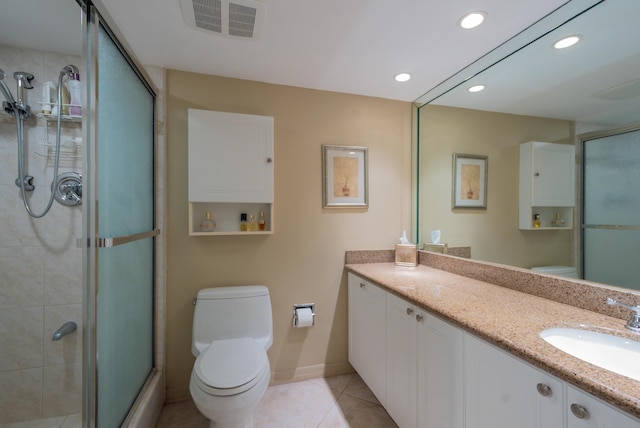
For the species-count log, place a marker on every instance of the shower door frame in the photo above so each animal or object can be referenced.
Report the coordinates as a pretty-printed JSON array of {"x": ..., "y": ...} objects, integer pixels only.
[
  {"x": 581, "y": 140},
  {"x": 90, "y": 241}
]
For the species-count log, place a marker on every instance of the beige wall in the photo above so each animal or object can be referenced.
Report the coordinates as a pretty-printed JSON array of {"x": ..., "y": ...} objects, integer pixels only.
[
  {"x": 493, "y": 233},
  {"x": 303, "y": 261}
]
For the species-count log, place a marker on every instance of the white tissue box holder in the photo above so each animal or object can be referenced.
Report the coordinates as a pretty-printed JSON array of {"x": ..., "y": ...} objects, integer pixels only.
[{"x": 406, "y": 255}]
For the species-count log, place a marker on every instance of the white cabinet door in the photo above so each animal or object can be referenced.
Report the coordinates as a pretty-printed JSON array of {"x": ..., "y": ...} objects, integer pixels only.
[
  {"x": 401, "y": 361},
  {"x": 585, "y": 411},
  {"x": 503, "y": 392},
  {"x": 553, "y": 175},
  {"x": 230, "y": 157},
  {"x": 440, "y": 373},
  {"x": 367, "y": 327}
]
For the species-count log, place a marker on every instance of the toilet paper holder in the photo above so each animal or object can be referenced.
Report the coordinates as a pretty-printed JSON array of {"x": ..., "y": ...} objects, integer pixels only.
[{"x": 297, "y": 307}]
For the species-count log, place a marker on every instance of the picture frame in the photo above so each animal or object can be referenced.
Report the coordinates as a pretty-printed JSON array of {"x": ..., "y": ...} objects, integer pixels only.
[
  {"x": 345, "y": 177},
  {"x": 469, "y": 186}
]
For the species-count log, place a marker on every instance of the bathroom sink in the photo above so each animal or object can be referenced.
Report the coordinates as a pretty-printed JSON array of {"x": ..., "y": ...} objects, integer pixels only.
[{"x": 613, "y": 353}]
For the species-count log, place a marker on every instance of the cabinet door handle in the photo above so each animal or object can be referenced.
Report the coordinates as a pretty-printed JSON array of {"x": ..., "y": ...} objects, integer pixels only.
[
  {"x": 409, "y": 311},
  {"x": 362, "y": 285},
  {"x": 419, "y": 317},
  {"x": 537, "y": 174},
  {"x": 544, "y": 390},
  {"x": 579, "y": 411},
  {"x": 269, "y": 160}
]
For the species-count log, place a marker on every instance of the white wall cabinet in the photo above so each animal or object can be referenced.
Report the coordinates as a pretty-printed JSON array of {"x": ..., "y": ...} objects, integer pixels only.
[
  {"x": 428, "y": 373},
  {"x": 585, "y": 411},
  {"x": 547, "y": 184},
  {"x": 504, "y": 392},
  {"x": 367, "y": 327},
  {"x": 231, "y": 169}
]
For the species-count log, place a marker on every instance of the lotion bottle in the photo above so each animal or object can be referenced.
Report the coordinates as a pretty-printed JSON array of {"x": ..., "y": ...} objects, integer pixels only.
[
  {"x": 243, "y": 222},
  {"x": 75, "y": 94},
  {"x": 262, "y": 224}
]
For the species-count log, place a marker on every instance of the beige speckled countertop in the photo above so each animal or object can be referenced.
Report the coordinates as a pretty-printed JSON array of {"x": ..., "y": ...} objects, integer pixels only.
[{"x": 511, "y": 320}]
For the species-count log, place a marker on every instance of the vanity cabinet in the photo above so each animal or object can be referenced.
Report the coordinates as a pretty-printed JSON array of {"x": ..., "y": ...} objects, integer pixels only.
[
  {"x": 547, "y": 185},
  {"x": 402, "y": 356},
  {"x": 367, "y": 333},
  {"x": 502, "y": 391},
  {"x": 231, "y": 170},
  {"x": 440, "y": 373},
  {"x": 585, "y": 411}
]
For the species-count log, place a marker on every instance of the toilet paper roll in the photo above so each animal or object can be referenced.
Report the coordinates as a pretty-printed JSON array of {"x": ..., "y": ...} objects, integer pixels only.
[{"x": 304, "y": 317}]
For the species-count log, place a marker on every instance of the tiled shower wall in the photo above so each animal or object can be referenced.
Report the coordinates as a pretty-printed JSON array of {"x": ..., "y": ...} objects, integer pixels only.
[{"x": 40, "y": 264}]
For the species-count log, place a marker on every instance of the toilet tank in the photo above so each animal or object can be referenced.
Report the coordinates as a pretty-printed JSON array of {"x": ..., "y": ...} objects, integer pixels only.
[
  {"x": 566, "y": 271},
  {"x": 232, "y": 312}
]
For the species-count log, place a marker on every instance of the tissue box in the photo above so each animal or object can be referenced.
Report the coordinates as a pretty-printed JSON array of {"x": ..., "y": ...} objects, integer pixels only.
[{"x": 406, "y": 254}]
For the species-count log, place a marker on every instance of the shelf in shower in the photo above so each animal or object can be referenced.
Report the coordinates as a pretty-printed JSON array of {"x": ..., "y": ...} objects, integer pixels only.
[{"x": 64, "y": 117}]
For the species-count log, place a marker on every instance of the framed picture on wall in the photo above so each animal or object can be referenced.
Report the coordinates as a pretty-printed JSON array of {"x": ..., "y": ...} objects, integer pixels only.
[
  {"x": 344, "y": 177},
  {"x": 469, "y": 187}
]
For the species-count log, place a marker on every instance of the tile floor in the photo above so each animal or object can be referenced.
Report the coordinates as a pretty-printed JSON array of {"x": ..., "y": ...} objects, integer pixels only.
[{"x": 336, "y": 402}]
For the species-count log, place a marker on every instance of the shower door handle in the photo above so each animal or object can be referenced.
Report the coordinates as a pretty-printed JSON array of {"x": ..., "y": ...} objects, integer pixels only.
[{"x": 120, "y": 240}]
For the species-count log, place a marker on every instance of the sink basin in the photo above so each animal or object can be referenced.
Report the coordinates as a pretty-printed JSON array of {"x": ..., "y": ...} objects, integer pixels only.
[{"x": 613, "y": 353}]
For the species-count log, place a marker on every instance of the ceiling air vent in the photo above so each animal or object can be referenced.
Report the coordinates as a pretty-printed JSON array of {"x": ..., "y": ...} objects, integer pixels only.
[{"x": 242, "y": 19}]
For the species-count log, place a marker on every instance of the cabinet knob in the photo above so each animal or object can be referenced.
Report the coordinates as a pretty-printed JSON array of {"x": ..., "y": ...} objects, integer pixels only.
[
  {"x": 269, "y": 160},
  {"x": 537, "y": 174},
  {"x": 579, "y": 411},
  {"x": 419, "y": 317},
  {"x": 544, "y": 390},
  {"x": 409, "y": 311},
  {"x": 362, "y": 285}
]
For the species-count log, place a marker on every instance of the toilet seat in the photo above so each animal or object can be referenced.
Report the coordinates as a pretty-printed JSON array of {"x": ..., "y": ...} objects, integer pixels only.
[{"x": 230, "y": 367}]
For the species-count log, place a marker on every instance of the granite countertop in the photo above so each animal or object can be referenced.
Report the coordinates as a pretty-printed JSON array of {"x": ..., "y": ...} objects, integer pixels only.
[{"x": 511, "y": 320}]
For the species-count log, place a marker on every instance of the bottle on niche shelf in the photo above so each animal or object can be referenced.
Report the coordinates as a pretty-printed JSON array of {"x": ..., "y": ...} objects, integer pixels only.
[
  {"x": 536, "y": 220},
  {"x": 243, "y": 222},
  {"x": 207, "y": 225},
  {"x": 262, "y": 224},
  {"x": 252, "y": 225},
  {"x": 558, "y": 221}
]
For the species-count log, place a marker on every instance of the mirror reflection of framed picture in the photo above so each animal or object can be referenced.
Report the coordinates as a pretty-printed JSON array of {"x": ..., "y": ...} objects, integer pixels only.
[
  {"x": 344, "y": 177},
  {"x": 469, "y": 188}
]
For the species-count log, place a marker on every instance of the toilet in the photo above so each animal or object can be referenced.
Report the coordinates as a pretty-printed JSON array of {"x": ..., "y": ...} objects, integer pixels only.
[
  {"x": 232, "y": 331},
  {"x": 566, "y": 271}
]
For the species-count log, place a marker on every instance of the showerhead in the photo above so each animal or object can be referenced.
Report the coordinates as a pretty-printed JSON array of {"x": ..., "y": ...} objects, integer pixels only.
[
  {"x": 70, "y": 70},
  {"x": 8, "y": 105}
]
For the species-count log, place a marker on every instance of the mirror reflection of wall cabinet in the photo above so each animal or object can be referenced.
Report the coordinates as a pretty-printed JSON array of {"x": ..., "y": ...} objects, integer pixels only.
[
  {"x": 547, "y": 186},
  {"x": 230, "y": 172}
]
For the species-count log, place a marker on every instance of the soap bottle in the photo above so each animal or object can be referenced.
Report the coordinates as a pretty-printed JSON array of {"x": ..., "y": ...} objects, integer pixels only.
[
  {"x": 75, "y": 94},
  {"x": 252, "y": 226},
  {"x": 207, "y": 225},
  {"x": 243, "y": 222},
  {"x": 558, "y": 221},
  {"x": 536, "y": 221},
  {"x": 262, "y": 224}
]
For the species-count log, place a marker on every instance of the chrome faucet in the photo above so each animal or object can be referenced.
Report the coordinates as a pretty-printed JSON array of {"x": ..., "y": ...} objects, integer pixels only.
[{"x": 634, "y": 322}]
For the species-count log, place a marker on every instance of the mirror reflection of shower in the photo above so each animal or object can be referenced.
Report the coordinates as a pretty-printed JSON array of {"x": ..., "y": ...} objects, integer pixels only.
[{"x": 66, "y": 188}]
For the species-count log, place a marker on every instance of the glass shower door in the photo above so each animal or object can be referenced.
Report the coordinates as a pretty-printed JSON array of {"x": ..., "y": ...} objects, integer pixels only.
[
  {"x": 123, "y": 229},
  {"x": 611, "y": 209}
]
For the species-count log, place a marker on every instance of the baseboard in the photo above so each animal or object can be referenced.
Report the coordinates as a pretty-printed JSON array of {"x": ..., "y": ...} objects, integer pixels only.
[
  {"x": 148, "y": 405},
  {"x": 297, "y": 374}
]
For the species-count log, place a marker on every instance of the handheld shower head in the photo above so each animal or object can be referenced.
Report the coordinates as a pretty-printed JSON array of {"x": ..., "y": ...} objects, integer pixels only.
[
  {"x": 5, "y": 89},
  {"x": 70, "y": 70}
]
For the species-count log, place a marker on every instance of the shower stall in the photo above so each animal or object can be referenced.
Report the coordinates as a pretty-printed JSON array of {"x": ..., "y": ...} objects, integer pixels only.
[
  {"x": 79, "y": 238},
  {"x": 610, "y": 214}
]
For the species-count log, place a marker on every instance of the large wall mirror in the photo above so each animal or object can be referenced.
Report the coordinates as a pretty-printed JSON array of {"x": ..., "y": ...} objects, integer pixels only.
[{"x": 534, "y": 92}]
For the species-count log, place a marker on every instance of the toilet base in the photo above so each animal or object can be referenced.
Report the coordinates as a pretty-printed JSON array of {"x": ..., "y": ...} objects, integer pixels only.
[{"x": 247, "y": 424}]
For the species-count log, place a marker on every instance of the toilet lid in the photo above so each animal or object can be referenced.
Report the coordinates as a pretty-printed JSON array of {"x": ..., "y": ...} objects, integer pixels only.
[{"x": 230, "y": 364}]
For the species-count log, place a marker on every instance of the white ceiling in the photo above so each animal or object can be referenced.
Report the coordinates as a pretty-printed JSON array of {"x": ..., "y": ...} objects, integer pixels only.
[
  {"x": 357, "y": 46},
  {"x": 351, "y": 46}
]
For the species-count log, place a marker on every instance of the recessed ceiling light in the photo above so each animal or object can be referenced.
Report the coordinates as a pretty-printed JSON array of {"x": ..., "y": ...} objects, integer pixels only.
[
  {"x": 402, "y": 77},
  {"x": 567, "y": 41},
  {"x": 472, "y": 20},
  {"x": 476, "y": 88}
]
